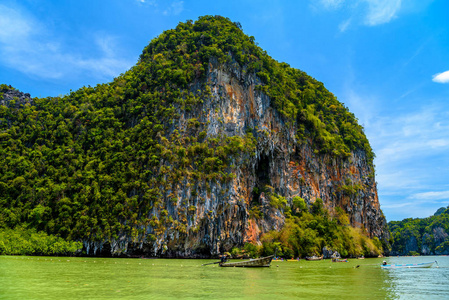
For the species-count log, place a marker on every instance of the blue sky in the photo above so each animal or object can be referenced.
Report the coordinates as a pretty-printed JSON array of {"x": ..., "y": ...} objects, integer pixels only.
[{"x": 387, "y": 60}]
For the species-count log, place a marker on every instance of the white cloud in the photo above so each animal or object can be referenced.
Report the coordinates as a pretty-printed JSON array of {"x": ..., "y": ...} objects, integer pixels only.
[
  {"x": 331, "y": 3},
  {"x": 28, "y": 46},
  {"x": 393, "y": 181},
  {"x": 365, "y": 107},
  {"x": 410, "y": 149},
  {"x": 411, "y": 152},
  {"x": 175, "y": 8},
  {"x": 367, "y": 12},
  {"x": 166, "y": 8},
  {"x": 406, "y": 139},
  {"x": 344, "y": 25},
  {"x": 148, "y": 2},
  {"x": 419, "y": 205},
  {"x": 441, "y": 77},
  {"x": 438, "y": 143},
  {"x": 398, "y": 205},
  {"x": 417, "y": 210},
  {"x": 431, "y": 195},
  {"x": 14, "y": 27},
  {"x": 381, "y": 11}
]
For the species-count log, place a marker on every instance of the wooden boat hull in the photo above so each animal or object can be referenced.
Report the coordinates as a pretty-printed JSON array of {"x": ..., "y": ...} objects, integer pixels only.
[
  {"x": 253, "y": 263},
  {"x": 339, "y": 260},
  {"x": 405, "y": 266}
]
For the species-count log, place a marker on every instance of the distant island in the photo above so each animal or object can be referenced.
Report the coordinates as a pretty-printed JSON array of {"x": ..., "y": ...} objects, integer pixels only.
[
  {"x": 426, "y": 236},
  {"x": 206, "y": 146}
]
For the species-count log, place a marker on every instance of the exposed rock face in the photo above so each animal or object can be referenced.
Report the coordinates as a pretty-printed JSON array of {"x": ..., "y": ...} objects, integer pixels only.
[
  {"x": 9, "y": 94},
  {"x": 425, "y": 249},
  {"x": 289, "y": 167},
  {"x": 441, "y": 237},
  {"x": 412, "y": 245}
]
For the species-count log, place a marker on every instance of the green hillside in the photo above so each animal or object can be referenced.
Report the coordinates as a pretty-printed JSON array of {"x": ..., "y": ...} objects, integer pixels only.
[{"x": 426, "y": 236}]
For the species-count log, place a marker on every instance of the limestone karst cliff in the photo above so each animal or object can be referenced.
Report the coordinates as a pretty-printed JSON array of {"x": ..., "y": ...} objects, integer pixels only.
[{"x": 201, "y": 147}]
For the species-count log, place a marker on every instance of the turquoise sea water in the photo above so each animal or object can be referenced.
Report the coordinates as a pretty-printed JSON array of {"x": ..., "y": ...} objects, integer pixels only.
[{"x": 23, "y": 277}]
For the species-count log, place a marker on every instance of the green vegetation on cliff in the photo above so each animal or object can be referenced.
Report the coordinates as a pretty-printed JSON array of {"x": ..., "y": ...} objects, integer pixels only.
[
  {"x": 104, "y": 161},
  {"x": 308, "y": 230},
  {"x": 182, "y": 55},
  {"x": 421, "y": 236}
]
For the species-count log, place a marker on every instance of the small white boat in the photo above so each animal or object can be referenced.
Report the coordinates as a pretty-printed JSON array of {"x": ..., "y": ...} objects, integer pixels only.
[{"x": 420, "y": 265}]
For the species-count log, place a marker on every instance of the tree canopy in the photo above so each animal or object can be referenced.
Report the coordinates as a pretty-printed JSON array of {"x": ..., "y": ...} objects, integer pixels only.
[{"x": 421, "y": 236}]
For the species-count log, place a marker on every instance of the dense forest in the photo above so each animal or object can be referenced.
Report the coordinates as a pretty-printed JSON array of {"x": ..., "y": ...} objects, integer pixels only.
[
  {"x": 427, "y": 236},
  {"x": 101, "y": 161}
]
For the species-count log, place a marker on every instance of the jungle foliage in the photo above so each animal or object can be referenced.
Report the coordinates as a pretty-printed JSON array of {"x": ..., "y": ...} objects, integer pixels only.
[
  {"x": 22, "y": 241},
  {"x": 421, "y": 236},
  {"x": 102, "y": 161},
  {"x": 309, "y": 229}
]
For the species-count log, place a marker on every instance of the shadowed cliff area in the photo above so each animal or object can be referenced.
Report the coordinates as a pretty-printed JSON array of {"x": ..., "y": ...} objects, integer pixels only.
[{"x": 206, "y": 145}]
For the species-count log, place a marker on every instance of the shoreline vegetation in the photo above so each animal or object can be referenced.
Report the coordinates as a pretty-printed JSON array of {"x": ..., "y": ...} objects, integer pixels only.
[
  {"x": 22, "y": 241},
  {"x": 307, "y": 231}
]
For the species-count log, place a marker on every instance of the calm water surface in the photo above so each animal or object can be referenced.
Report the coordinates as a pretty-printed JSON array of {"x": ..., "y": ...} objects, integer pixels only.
[{"x": 23, "y": 277}]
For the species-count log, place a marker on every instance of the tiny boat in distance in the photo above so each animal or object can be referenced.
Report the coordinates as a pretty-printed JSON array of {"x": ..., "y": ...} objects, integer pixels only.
[
  {"x": 420, "y": 265},
  {"x": 339, "y": 260},
  {"x": 252, "y": 263},
  {"x": 293, "y": 259},
  {"x": 314, "y": 257}
]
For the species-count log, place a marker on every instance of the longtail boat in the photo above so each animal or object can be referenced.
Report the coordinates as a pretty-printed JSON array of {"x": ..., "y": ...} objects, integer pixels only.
[
  {"x": 420, "y": 265},
  {"x": 339, "y": 260},
  {"x": 314, "y": 257},
  {"x": 252, "y": 263}
]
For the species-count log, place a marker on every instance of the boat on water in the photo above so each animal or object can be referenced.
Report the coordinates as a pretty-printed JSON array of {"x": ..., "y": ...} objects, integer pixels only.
[
  {"x": 402, "y": 266},
  {"x": 252, "y": 263},
  {"x": 339, "y": 260},
  {"x": 314, "y": 257},
  {"x": 293, "y": 259}
]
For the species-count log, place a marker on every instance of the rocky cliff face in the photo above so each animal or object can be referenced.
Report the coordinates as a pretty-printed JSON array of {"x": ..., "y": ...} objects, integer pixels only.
[
  {"x": 219, "y": 214},
  {"x": 8, "y": 94}
]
